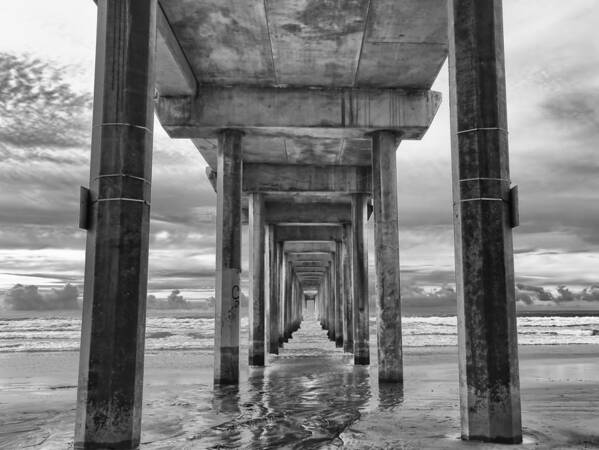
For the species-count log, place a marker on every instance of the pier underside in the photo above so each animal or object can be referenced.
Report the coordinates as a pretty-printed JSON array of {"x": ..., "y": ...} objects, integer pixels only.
[{"x": 298, "y": 108}]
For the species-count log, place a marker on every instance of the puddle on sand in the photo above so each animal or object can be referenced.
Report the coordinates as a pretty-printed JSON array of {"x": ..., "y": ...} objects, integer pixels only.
[{"x": 303, "y": 399}]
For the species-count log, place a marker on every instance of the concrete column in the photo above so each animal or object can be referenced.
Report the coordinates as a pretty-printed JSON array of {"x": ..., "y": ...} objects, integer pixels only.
[
  {"x": 348, "y": 317},
  {"x": 283, "y": 289},
  {"x": 257, "y": 307},
  {"x": 281, "y": 264},
  {"x": 487, "y": 336},
  {"x": 273, "y": 316},
  {"x": 325, "y": 298},
  {"x": 287, "y": 300},
  {"x": 228, "y": 258},
  {"x": 331, "y": 305},
  {"x": 386, "y": 250},
  {"x": 109, "y": 396},
  {"x": 360, "y": 281},
  {"x": 338, "y": 297}
]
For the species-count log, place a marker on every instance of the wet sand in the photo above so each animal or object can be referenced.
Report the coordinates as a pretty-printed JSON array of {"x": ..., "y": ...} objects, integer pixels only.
[{"x": 310, "y": 396}]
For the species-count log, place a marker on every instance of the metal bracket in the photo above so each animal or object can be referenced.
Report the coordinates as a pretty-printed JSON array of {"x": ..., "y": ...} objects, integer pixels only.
[
  {"x": 84, "y": 202},
  {"x": 514, "y": 207}
]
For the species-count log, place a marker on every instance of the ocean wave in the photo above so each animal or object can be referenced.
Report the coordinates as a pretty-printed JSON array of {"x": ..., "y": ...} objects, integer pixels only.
[{"x": 48, "y": 334}]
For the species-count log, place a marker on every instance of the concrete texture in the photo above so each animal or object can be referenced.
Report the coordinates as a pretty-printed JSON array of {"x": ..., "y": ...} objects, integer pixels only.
[
  {"x": 257, "y": 294},
  {"x": 386, "y": 251},
  {"x": 348, "y": 317},
  {"x": 273, "y": 298},
  {"x": 228, "y": 258},
  {"x": 109, "y": 397},
  {"x": 338, "y": 295},
  {"x": 360, "y": 281},
  {"x": 312, "y": 43},
  {"x": 489, "y": 379}
]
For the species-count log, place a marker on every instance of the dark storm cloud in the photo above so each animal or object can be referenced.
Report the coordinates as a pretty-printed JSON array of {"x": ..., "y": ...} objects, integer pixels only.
[{"x": 38, "y": 108}]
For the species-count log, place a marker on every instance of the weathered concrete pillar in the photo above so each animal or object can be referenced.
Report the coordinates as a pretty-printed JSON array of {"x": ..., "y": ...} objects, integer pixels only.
[
  {"x": 273, "y": 312},
  {"x": 331, "y": 305},
  {"x": 257, "y": 306},
  {"x": 287, "y": 300},
  {"x": 386, "y": 251},
  {"x": 487, "y": 336},
  {"x": 348, "y": 317},
  {"x": 327, "y": 299},
  {"x": 281, "y": 264},
  {"x": 228, "y": 257},
  {"x": 338, "y": 296},
  {"x": 360, "y": 281},
  {"x": 109, "y": 396}
]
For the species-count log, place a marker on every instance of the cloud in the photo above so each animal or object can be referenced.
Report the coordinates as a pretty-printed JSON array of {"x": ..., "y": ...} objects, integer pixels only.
[
  {"x": 38, "y": 108},
  {"x": 27, "y": 298}
]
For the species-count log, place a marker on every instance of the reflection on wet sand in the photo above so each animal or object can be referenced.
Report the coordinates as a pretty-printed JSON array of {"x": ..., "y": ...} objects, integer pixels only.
[{"x": 305, "y": 398}]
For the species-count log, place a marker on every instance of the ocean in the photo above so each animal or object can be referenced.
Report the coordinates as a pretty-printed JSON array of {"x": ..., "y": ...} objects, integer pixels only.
[{"x": 194, "y": 330}]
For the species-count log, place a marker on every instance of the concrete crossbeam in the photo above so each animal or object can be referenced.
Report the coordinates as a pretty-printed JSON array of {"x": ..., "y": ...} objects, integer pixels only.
[
  {"x": 173, "y": 73},
  {"x": 275, "y": 178},
  {"x": 308, "y": 247},
  {"x": 308, "y": 233},
  {"x": 293, "y": 111}
]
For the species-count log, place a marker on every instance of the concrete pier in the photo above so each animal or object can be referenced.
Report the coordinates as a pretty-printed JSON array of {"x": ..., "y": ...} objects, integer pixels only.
[
  {"x": 487, "y": 336},
  {"x": 386, "y": 255},
  {"x": 109, "y": 396},
  {"x": 257, "y": 300},
  {"x": 360, "y": 281},
  {"x": 304, "y": 102},
  {"x": 228, "y": 258}
]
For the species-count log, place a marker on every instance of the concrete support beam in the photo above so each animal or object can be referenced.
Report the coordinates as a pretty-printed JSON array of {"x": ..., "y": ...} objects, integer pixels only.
[
  {"x": 487, "y": 335},
  {"x": 257, "y": 299},
  {"x": 310, "y": 247},
  {"x": 310, "y": 263},
  {"x": 294, "y": 111},
  {"x": 338, "y": 296},
  {"x": 308, "y": 233},
  {"x": 276, "y": 178},
  {"x": 360, "y": 281},
  {"x": 348, "y": 317},
  {"x": 274, "y": 250},
  {"x": 228, "y": 258},
  {"x": 109, "y": 395},
  {"x": 174, "y": 76},
  {"x": 314, "y": 213},
  {"x": 386, "y": 250},
  {"x": 299, "y": 257},
  {"x": 309, "y": 269}
]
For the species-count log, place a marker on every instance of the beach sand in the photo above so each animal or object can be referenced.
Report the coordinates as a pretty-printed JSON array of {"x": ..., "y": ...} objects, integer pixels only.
[{"x": 310, "y": 396}]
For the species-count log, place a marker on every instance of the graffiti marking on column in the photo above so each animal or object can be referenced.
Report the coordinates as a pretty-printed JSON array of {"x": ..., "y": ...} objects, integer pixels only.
[{"x": 232, "y": 312}]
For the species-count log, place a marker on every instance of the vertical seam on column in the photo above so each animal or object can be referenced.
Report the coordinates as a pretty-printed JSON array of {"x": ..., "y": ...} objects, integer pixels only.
[
  {"x": 362, "y": 44},
  {"x": 272, "y": 55}
]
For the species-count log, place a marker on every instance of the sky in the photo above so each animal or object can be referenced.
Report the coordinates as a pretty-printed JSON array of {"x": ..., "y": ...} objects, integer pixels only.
[{"x": 552, "y": 71}]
